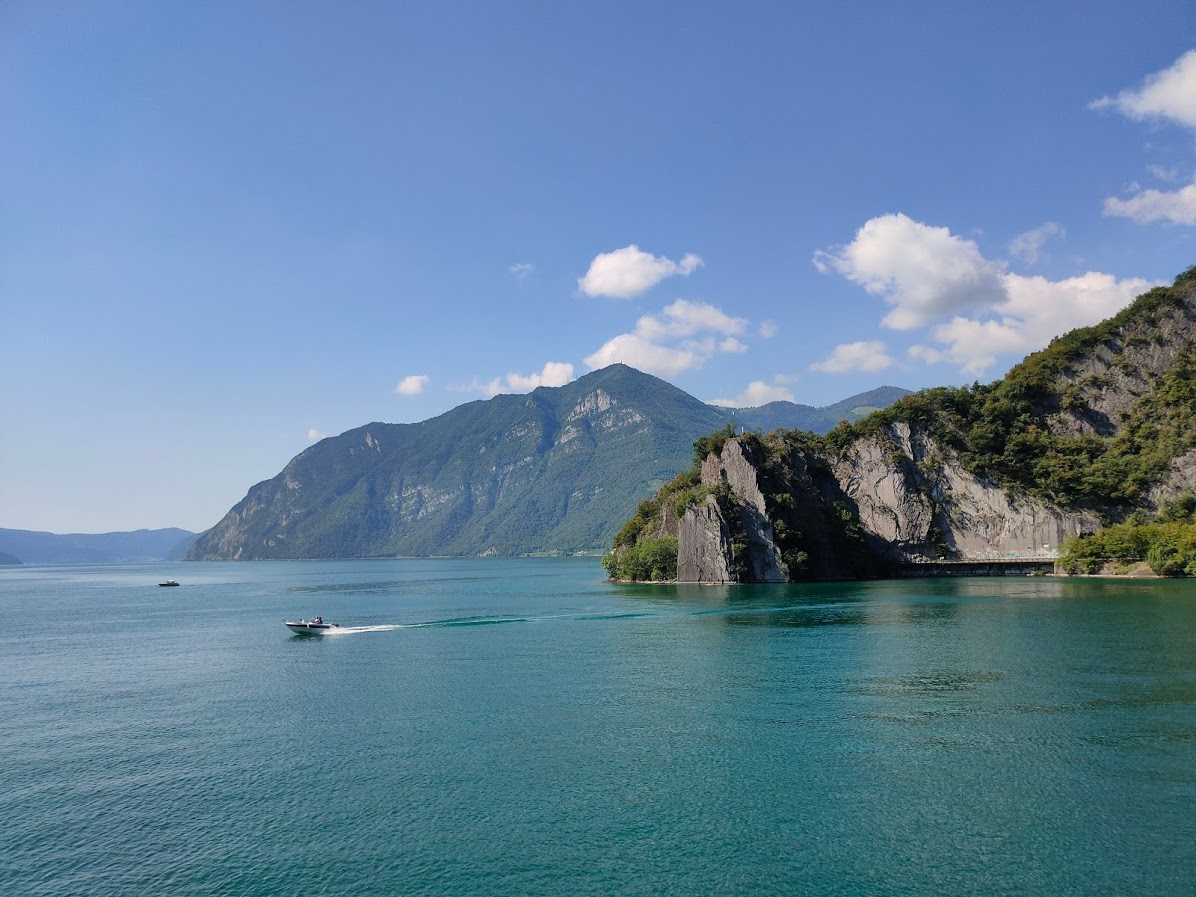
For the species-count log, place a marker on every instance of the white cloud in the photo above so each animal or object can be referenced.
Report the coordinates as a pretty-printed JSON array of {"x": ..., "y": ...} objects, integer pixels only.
[
  {"x": 1169, "y": 94},
  {"x": 1006, "y": 314},
  {"x": 630, "y": 272},
  {"x": 683, "y": 336},
  {"x": 314, "y": 435},
  {"x": 768, "y": 330},
  {"x": 868, "y": 356},
  {"x": 684, "y": 318},
  {"x": 412, "y": 385},
  {"x": 1156, "y": 205},
  {"x": 522, "y": 269},
  {"x": 1025, "y": 246},
  {"x": 924, "y": 272},
  {"x": 757, "y": 393},
  {"x": 555, "y": 373},
  {"x": 1037, "y": 310},
  {"x": 652, "y": 358}
]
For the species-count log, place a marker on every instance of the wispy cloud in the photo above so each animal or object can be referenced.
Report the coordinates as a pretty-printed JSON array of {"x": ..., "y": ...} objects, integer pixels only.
[
  {"x": 522, "y": 269},
  {"x": 1169, "y": 94},
  {"x": 1026, "y": 246},
  {"x": 314, "y": 435},
  {"x": 1146, "y": 206},
  {"x": 758, "y": 393},
  {"x": 629, "y": 272},
  {"x": 867, "y": 356},
  {"x": 554, "y": 373}
]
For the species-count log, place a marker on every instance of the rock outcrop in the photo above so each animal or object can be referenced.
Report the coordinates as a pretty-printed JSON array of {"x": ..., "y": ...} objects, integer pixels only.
[
  {"x": 704, "y": 550},
  {"x": 1098, "y": 427},
  {"x": 910, "y": 499},
  {"x": 708, "y": 532}
]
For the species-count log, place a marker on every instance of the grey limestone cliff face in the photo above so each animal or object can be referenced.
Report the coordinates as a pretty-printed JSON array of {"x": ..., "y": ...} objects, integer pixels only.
[
  {"x": 916, "y": 497},
  {"x": 1181, "y": 477},
  {"x": 704, "y": 552},
  {"x": 913, "y": 501},
  {"x": 697, "y": 537}
]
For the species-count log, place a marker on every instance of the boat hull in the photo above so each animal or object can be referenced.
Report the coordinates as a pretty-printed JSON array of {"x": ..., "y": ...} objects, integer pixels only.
[{"x": 303, "y": 627}]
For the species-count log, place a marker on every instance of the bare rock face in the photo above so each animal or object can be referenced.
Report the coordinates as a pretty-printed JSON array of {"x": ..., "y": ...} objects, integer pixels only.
[
  {"x": 912, "y": 497},
  {"x": 761, "y": 559},
  {"x": 881, "y": 476},
  {"x": 910, "y": 493},
  {"x": 982, "y": 521},
  {"x": 1181, "y": 477},
  {"x": 704, "y": 544},
  {"x": 1108, "y": 382}
]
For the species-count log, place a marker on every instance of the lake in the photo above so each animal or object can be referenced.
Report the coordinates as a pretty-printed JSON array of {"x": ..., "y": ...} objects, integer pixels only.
[{"x": 522, "y": 727}]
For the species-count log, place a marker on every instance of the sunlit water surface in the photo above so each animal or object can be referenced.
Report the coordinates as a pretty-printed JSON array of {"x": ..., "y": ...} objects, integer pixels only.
[{"x": 521, "y": 727}]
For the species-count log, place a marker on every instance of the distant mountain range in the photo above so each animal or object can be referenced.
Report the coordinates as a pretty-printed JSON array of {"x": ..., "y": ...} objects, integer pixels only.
[
  {"x": 18, "y": 546},
  {"x": 556, "y": 470},
  {"x": 787, "y": 415}
]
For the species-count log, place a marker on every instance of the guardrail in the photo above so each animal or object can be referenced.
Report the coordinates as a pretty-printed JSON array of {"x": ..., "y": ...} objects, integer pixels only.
[{"x": 989, "y": 557}]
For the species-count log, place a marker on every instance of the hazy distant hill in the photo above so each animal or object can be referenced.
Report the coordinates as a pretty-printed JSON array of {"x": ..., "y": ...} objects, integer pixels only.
[
  {"x": 141, "y": 546},
  {"x": 776, "y": 415},
  {"x": 8, "y": 560},
  {"x": 557, "y": 469}
]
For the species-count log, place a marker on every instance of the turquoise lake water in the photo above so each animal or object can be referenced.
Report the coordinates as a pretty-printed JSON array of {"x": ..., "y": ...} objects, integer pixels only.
[{"x": 522, "y": 727}]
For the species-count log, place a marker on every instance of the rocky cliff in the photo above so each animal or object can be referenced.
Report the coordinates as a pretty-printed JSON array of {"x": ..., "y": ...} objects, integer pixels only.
[
  {"x": 891, "y": 498},
  {"x": 1099, "y": 427}
]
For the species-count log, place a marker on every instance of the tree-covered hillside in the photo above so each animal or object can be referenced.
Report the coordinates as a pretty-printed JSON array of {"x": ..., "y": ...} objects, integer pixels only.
[
  {"x": 1099, "y": 426},
  {"x": 1092, "y": 421},
  {"x": 558, "y": 469}
]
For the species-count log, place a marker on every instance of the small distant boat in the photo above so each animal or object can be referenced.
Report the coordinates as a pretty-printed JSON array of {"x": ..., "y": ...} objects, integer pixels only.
[
  {"x": 309, "y": 627},
  {"x": 169, "y": 582}
]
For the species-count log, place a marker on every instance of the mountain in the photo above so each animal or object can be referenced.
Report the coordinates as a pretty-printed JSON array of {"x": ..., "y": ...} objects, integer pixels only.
[
  {"x": 790, "y": 416},
  {"x": 554, "y": 470},
  {"x": 1097, "y": 428},
  {"x": 141, "y": 546}
]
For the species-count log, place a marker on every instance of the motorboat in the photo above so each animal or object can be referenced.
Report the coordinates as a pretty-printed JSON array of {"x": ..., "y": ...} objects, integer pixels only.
[
  {"x": 316, "y": 626},
  {"x": 169, "y": 582}
]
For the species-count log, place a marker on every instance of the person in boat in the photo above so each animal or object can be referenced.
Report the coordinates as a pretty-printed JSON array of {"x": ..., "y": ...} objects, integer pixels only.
[{"x": 318, "y": 620}]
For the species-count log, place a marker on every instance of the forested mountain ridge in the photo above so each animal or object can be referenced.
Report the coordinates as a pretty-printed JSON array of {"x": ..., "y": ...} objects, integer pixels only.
[
  {"x": 558, "y": 469},
  {"x": 1098, "y": 427}
]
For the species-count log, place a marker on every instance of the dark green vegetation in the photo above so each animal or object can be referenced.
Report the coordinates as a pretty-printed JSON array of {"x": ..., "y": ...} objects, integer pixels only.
[
  {"x": 555, "y": 470},
  {"x": 652, "y": 560},
  {"x": 139, "y": 547},
  {"x": 1167, "y": 543},
  {"x": 1006, "y": 430},
  {"x": 1091, "y": 423}
]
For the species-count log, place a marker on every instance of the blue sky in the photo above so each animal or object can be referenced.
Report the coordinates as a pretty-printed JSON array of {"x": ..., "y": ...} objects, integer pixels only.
[{"x": 229, "y": 228}]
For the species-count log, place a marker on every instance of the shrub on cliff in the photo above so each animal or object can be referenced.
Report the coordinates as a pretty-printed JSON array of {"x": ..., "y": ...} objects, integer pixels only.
[{"x": 649, "y": 560}]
